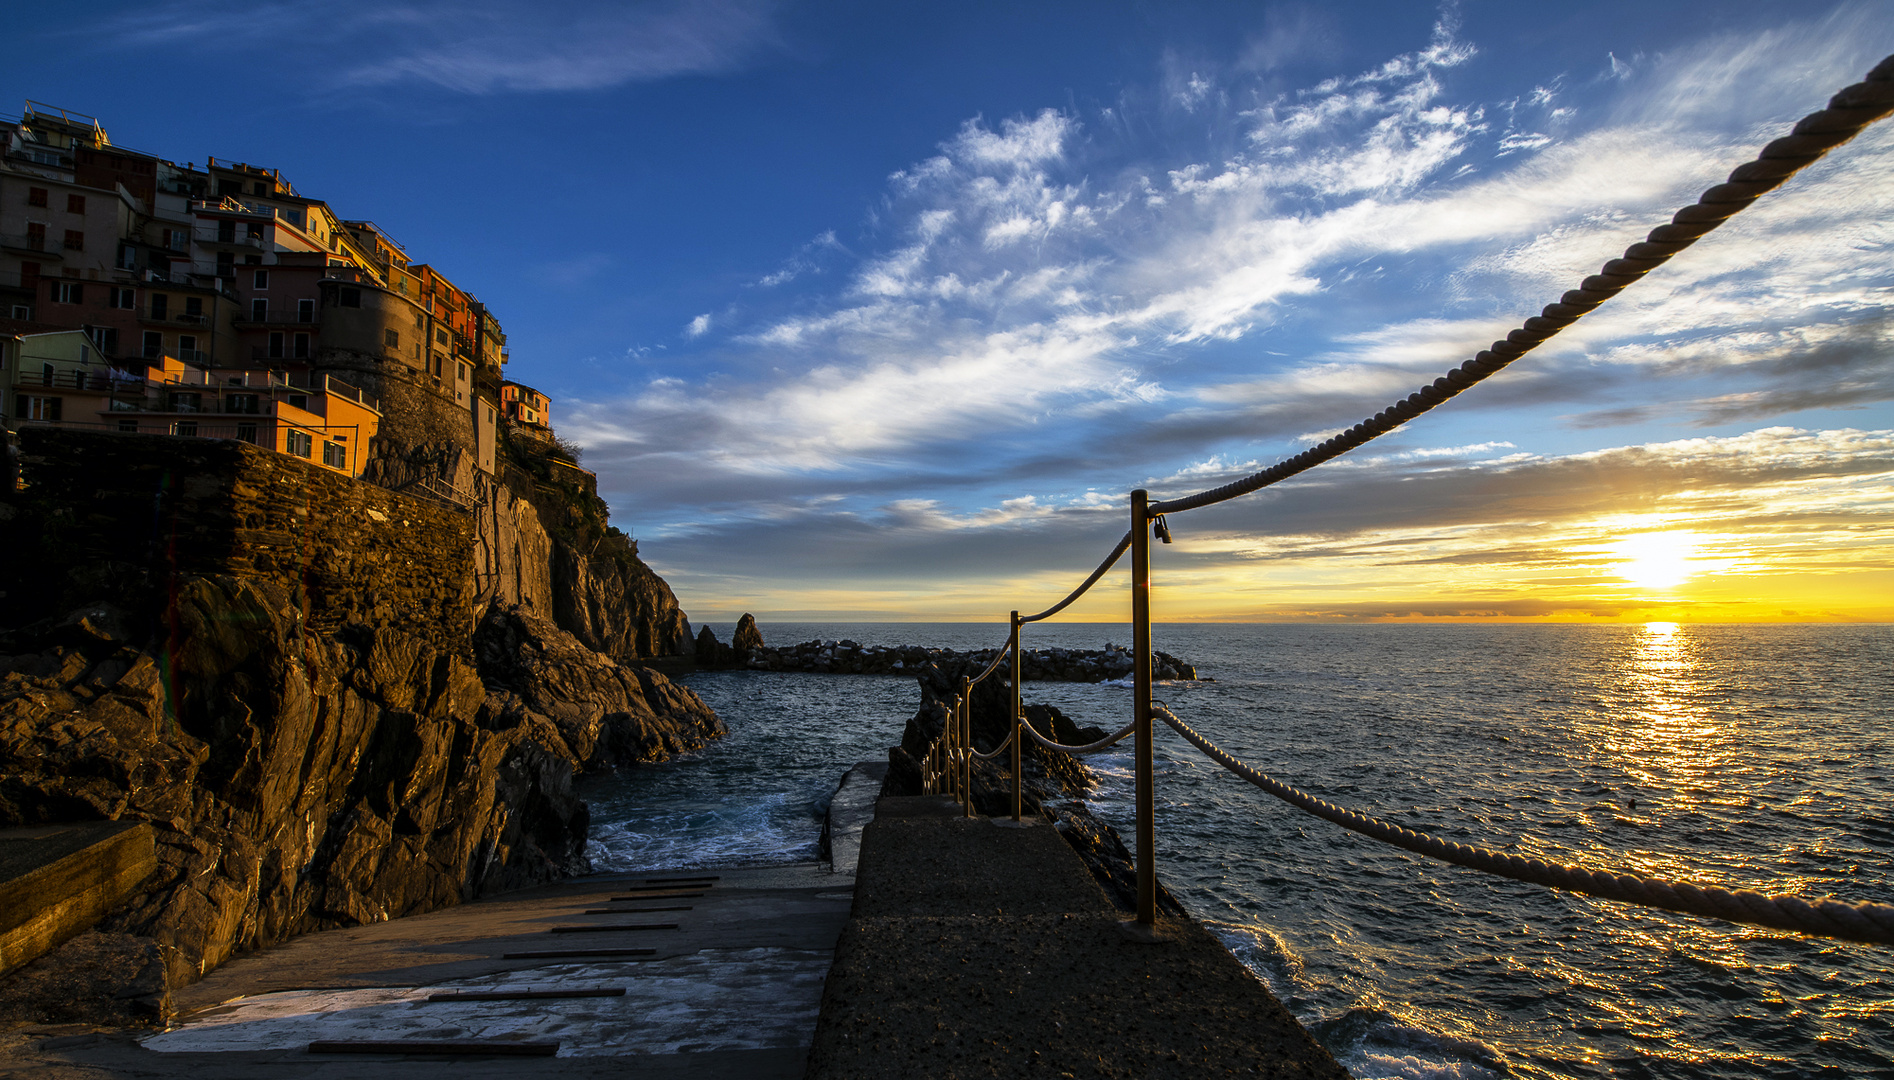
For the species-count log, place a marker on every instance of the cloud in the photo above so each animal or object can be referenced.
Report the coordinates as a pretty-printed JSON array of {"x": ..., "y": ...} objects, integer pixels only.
[
  {"x": 479, "y": 46},
  {"x": 698, "y": 326},
  {"x": 1049, "y": 309}
]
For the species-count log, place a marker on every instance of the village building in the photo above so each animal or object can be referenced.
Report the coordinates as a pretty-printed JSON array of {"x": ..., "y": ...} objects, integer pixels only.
[{"x": 220, "y": 302}]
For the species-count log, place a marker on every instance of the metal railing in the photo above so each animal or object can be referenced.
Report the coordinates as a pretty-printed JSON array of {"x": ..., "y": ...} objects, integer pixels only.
[{"x": 947, "y": 768}]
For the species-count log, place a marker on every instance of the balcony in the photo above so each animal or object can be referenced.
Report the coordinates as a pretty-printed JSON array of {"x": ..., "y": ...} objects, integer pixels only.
[
  {"x": 182, "y": 318},
  {"x": 101, "y": 381},
  {"x": 41, "y": 246},
  {"x": 235, "y": 243},
  {"x": 300, "y": 320},
  {"x": 287, "y": 352}
]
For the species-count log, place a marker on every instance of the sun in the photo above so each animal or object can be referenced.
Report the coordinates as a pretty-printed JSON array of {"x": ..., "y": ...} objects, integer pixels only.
[{"x": 1656, "y": 561}]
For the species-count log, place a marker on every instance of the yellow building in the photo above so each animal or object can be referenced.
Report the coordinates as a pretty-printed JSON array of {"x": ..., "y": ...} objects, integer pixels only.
[{"x": 321, "y": 418}]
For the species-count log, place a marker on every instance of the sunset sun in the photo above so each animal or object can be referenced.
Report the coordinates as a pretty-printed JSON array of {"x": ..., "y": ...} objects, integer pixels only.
[{"x": 1656, "y": 561}]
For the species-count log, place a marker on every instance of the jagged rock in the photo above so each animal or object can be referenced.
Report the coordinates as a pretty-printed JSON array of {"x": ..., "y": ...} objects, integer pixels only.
[
  {"x": 294, "y": 781},
  {"x": 598, "y": 712},
  {"x": 711, "y": 653},
  {"x": 747, "y": 640},
  {"x": 614, "y": 603},
  {"x": 97, "y": 979}
]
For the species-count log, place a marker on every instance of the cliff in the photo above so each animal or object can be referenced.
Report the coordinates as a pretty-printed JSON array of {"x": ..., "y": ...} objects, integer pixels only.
[{"x": 290, "y": 683}]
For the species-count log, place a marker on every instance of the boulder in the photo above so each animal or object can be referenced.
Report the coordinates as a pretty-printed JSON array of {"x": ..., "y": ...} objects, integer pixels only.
[{"x": 747, "y": 640}]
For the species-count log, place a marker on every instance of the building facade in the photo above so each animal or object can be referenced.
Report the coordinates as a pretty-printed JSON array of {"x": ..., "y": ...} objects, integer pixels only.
[{"x": 225, "y": 282}]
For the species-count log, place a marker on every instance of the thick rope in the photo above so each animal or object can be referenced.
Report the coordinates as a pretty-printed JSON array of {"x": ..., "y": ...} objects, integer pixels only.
[
  {"x": 1085, "y": 586},
  {"x": 1868, "y": 922},
  {"x": 1088, "y": 748},
  {"x": 1005, "y": 651},
  {"x": 1848, "y": 112},
  {"x": 1000, "y": 749}
]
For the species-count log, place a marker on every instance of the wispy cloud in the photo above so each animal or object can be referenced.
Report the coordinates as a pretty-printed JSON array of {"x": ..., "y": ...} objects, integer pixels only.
[{"x": 479, "y": 46}]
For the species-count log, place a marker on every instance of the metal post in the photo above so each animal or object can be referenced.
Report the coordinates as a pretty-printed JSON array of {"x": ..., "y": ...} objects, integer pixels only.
[
  {"x": 1018, "y": 736},
  {"x": 1141, "y": 704},
  {"x": 966, "y": 750}
]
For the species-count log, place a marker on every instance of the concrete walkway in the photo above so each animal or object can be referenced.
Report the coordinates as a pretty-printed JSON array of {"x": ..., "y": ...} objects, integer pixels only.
[
  {"x": 727, "y": 985},
  {"x": 979, "y": 949}
]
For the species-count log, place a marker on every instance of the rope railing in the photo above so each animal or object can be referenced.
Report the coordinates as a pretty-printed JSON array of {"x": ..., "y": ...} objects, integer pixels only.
[
  {"x": 1868, "y": 922},
  {"x": 1085, "y": 586},
  {"x": 948, "y": 763},
  {"x": 1089, "y": 748}
]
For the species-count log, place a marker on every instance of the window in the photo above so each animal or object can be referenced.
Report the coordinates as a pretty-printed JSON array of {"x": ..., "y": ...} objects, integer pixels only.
[
  {"x": 127, "y": 257},
  {"x": 36, "y": 235},
  {"x": 123, "y": 298},
  {"x": 185, "y": 400},
  {"x": 68, "y": 292},
  {"x": 260, "y": 188},
  {"x": 177, "y": 240},
  {"x": 260, "y": 280},
  {"x": 299, "y": 346},
  {"x": 128, "y": 426},
  {"x": 75, "y": 204},
  {"x": 351, "y": 297},
  {"x": 105, "y": 337},
  {"x": 241, "y": 403},
  {"x": 187, "y": 347},
  {"x": 306, "y": 311},
  {"x": 226, "y": 264},
  {"x": 194, "y": 307},
  {"x": 226, "y": 232},
  {"x": 259, "y": 311},
  {"x": 36, "y": 196},
  {"x": 299, "y": 401},
  {"x": 440, "y": 336},
  {"x": 75, "y": 240},
  {"x": 420, "y": 324},
  {"x": 154, "y": 345},
  {"x": 247, "y": 433},
  {"x": 298, "y": 443},
  {"x": 335, "y": 455},
  {"x": 460, "y": 372},
  {"x": 276, "y": 344},
  {"x": 46, "y": 374},
  {"x": 391, "y": 338},
  {"x": 229, "y": 187},
  {"x": 22, "y": 311},
  {"x": 45, "y": 409},
  {"x": 186, "y": 428}
]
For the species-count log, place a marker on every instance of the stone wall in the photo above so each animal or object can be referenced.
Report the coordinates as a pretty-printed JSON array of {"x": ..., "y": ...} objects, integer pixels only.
[{"x": 125, "y": 515}]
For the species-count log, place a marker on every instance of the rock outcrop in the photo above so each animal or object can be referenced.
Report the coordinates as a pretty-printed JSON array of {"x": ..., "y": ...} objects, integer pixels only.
[
  {"x": 610, "y": 600},
  {"x": 582, "y": 704},
  {"x": 291, "y": 690},
  {"x": 295, "y": 781}
]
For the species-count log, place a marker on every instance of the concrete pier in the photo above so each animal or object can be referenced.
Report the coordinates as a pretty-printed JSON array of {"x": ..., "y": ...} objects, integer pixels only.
[{"x": 978, "y": 948}]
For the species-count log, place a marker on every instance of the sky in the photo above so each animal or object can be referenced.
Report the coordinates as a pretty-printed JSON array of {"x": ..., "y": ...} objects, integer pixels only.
[{"x": 879, "y": 311}]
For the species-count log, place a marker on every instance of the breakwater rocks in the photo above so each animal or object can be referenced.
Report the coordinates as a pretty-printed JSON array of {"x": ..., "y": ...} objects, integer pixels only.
[{"x": 853, "y": 658}]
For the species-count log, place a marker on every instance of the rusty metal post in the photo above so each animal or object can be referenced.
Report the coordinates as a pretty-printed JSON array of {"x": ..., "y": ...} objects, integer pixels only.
[
  {"x": 966, "y": 746},
  {"x": 1019, "y": 670},
  {"x": 1141, "y": 704}
]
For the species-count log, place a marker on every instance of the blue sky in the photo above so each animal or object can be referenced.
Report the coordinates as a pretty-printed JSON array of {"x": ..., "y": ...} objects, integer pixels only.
[{"x": 870, "y": 310}]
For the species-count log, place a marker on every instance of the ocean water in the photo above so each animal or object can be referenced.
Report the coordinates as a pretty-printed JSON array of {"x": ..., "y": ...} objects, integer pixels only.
[{"x": 1741, "y": 756}]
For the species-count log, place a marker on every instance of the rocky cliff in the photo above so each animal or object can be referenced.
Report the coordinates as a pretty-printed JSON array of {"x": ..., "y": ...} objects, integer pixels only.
[{"x": 290, "y": 685}]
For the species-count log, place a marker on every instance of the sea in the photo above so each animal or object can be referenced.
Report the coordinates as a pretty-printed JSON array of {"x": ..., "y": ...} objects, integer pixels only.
[{"x": 1738, "y": 756}]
